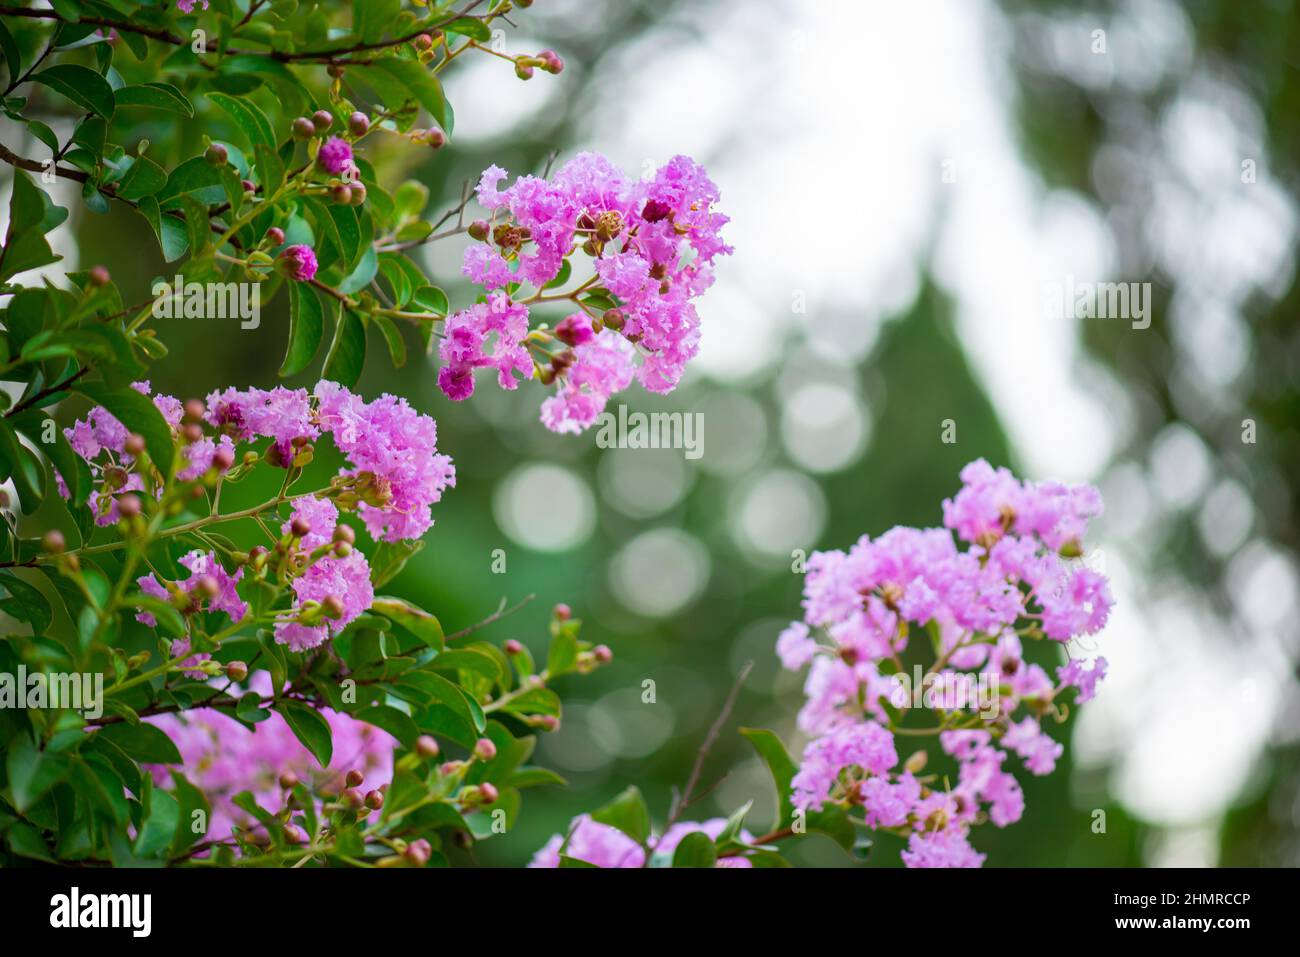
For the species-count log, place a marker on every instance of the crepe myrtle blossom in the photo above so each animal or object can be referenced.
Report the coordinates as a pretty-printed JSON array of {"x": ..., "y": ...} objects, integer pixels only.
[
  {"x": 298, "y": 262},
  {"x": 1016, "y": 582},
  {"x": 223, "y": 758},
  {"x": 392, "y": 477},
  {"x": 335, "y": 156},
  {"x": 651, "y": 245},
  {"x": 112, "y": 453},
  {"x": 187, "y": 6},
  {"x": 605, "y": 846}
]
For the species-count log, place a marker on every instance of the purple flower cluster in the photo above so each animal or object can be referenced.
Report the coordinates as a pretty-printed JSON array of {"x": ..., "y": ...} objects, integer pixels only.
[
  {"x": 393, "y": 477},
  {"x": 606, "y": 846},
  {"x": 223, "y": 758},
  {"x": 1017, "y": 579},
  {"x": 652, "y": 243},
  {"x": 111, "y": 452}
]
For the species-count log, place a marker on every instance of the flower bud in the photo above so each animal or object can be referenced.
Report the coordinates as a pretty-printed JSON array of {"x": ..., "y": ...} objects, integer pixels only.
[
  {"x": 52, "y": 542},
  {"x": 374, "y": 800},
  {"x": 613, "y": 319},
  {"x": 194, "y": 410},
  {"x": 344, "y": 533},
  {"x": 354, "y": 778},
  {"x": 275, "y": 236},
  {"x": 294, "y": 834},
  {"x": 512, "y": 647},
  {"x": 222, "y": 459},
  {"x": 128, "y": 506},
  {"x": 523, "y": 71},
  {"x": 332, "y": 606},
  {"x": 488, "y": 792},
  {"x": 418, "y": 852},
  {"x": 300, "y": 527},
  {"x": 423, "y": 41},
  {"x": 249, "y": 185},
  {"x": 436, "y": 138},
  {"x": 353, "y": 798},
  {"x": 602, "y": 654},
  {"x": 548, "y": 722},
  {"x": 335, "y": 70},
  {"x": 304, "y": 128},
  {"x": 236, "y": 671},
  {"x": 341, "y": 193},
  {"x": 358, "y": 194},
  {"x": 358, "y": 123},
  {"x": 322, "y": 120},
  {"x": 216, "y": 155},
  {"x": 289, "y": 780},
  {"x": 915, "y": 763},
  {"x": 208, "y": 587},
  {"x": 484, "y": 749},
  {"x": 99, "y": 276},
  {"x": 426, "y": 746},
  {"x": 134, "y": 445},
  {"x": 563, "y": 612},
  {"x": 479, "y": 229}
]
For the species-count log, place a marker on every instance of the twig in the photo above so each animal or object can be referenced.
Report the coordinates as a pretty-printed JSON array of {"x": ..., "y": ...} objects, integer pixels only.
[{"x": 501, "y": 612}]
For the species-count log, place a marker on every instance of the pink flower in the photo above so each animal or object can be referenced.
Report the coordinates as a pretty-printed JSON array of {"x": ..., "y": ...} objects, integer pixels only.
[
  {"x": 946, "y": 848},
  {"x": 795, "y": 647},
  {"x": 484, "y": 265},
  {"x": 204, "y": 569},
  {"x": 335, "y": 156},
  {"x": 187, "y": 6},
  {"x": 223, "y": 758},
  {"x": 1085, "y": 679},
  {"x": 394, "y": 451},
  {"x": 486, "y": 334},
  {"x": 866, "y": 747},
  {"x": 600, "y": 368},
  {"x": 597, "y": 844},
  {"x": 346, "y": 580},
  {"x": 667, "y": 844},
  {"x": 298, "y": 262}
]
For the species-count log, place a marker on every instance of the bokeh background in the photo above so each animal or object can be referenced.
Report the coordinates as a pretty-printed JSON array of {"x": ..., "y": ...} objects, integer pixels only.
[{"x": 905, "y": 182}]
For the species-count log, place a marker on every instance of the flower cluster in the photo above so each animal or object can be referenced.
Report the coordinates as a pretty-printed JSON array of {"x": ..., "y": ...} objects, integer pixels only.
[
  {"x": 652, "y": 244},
  {"x": 393, "y": 477},
  {"x": 605, "y": 846},
  {"x": 224, "y": 758},
  {"x": 1018, "y": 579}
]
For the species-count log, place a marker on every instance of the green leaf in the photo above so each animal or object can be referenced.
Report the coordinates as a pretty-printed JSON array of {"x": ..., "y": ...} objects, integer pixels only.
[
  {"x": 138, "y": 413},
  {"x": 417, "y": 80},
  {"x": 25, "y": 245},
  {"x": 347, "y": 355},
  {"x": 471, "y": 27},
  {"x": 397, "y": 723},
  {"x": 252, "y": 122},
  {"x": 562, "y": 656},
  {"x": 25, "y": 841},
  {"x": 309, "y": 728},
  {"x": 26, "y": 603},
  {"x": 306, "y": 328},
  {"x": 695, "y": 850},
  {"x": 81, "y": 85},
  {"x": 387, "y": 559},
  {"x": 566, "y": 861},
  {"x": 144, "y": 178},
  {"x": 18, "y": 462},
  {"x": 370, "y": 18},
  {"x": 173, "y": 238},
  {"x": 415, "y": 620},
  {"x": 160, "y": 826},
  {"x": 779, "y": 765},
  {"x": 31, "y": 772},
  {"x": 393, "y": 338},
  {"x": 143, "y": 742},
  {"x": 155, "y": 96},
  {"x": 12, "y": 53},
  {"x": 628, "y": 813}
]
